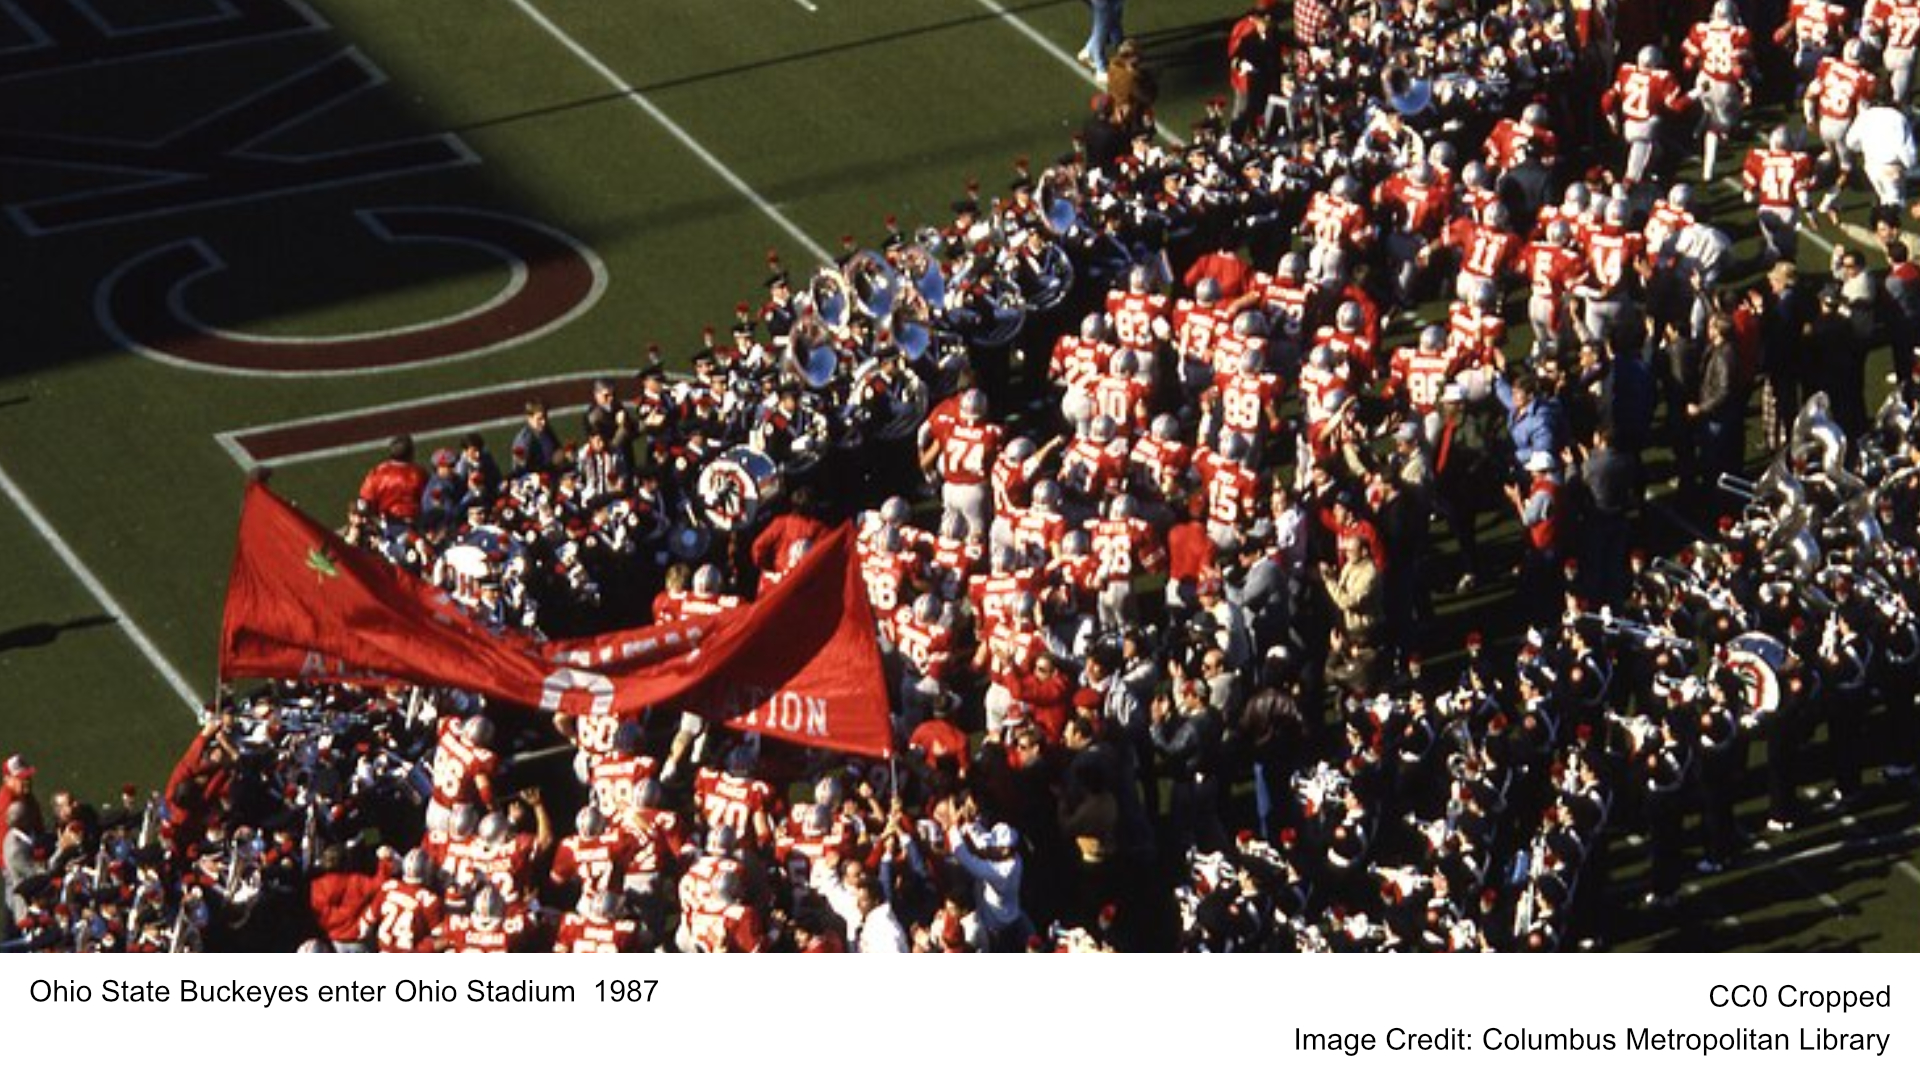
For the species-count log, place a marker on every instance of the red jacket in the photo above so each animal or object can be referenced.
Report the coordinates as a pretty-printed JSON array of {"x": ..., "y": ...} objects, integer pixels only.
[
  {"x": 337, "y": 899},
  {"x": 1049, "y": 699},
  {"x": 770, "y": 548},
  {"x": 394, "y": 488},
  {"x": 196, "y": 790},
  {"x": 1189, "y": 551}
]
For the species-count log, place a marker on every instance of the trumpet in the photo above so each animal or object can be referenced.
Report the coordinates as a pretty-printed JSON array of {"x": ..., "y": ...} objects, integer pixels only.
[{"x": 1639, "y": 631}]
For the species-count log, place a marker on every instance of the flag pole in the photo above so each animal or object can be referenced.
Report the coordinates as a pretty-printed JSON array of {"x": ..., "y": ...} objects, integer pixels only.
[{"x": 259, "y": 474}]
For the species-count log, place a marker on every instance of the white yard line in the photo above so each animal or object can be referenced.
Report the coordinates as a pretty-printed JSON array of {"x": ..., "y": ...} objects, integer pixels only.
[
  {"x": 1826, "y": 898},
  {"x": 1026, "y": 30},
  {"x": 113, "y": 609},
  {"x": 640, "y": 102}
]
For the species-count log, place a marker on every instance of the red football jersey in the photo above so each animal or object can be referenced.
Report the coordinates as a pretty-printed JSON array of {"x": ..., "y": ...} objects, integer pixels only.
[
  {"x": 656, "y": 836},
  {"x": 1233, "y": 491},
  {"x": 889, "y": 577},
  {"x": 1157, "y": 464},
  {"x": 1640, "y": 94},
  {"x": 1012, "y": 484},
  {"x": 1076, "y": 360},
  {"x": 1420, "y": 210},
  {"x": 597, "y": 863},
  {"x": 404, "y": 917},
  {"x": 1552, "y": 271},
  {"x": 1124, "y": 548},
  {"x": 1092, "y": 470},
  {"x": 1664, "y": 225},
  {"x": 1484, "y": 250},
  {"x": 1718, "y": 50},
  {"x": 968, "y": 451},
  {"x": 1195, "y": 325},
  {"x": 1475, "y": 339},
  {"x": 996, "y": 596},
  {"x": 1897, "y": 23},
  {"x": 580, "y": 934},
  {"x": 717, "y": 926},
  {"x": 1778, "y": 179},
  {"x": 1353, "y": 350},
  {"x": 1036, "y": 532},
  {"x": 1317, "y": 387},
  {"x": 928, "y": 649},
  {"x": 1816, "y": 22},
  {"x": 1011, "y": 651},
  {"x": 1336, "y": 222},
  {"x": 613, "y": 779},
  {"x": 1512, "y": 140},
  {"x": 463, "y": 935},
  {"x": 1610, "y": 256},
  {"x": 1121, "y": 398},
  {"x": 458, "y": 766},
  {"x": 506, "y": 866},
  {"x": 1839, "y": 88},
  {"x": 731, "y": 801},
  {"x": 1424, "y": 375},
  {"x": 1245, "y": 401},
  {"x": 1138, "y": 319},
  {"x": 1288, "y": 305}
]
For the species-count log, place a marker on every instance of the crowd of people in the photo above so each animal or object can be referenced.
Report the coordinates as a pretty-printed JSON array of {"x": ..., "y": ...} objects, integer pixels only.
[{"x": 1146, "y": 454}]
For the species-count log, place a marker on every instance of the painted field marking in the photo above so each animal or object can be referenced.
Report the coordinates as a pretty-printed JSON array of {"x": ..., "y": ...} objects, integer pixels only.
[
  {"x": 641, "y": 102},
  {"x": 303, "y": 18},
  {"x": 222, "y": 12},
  {"x": 211, "y": 265},
  {"x": 100, "y": 594},
  {"x": 1826, "y": 898},
  {"x": 234, "y": 441},
  {"x": 457, "y": 154}
]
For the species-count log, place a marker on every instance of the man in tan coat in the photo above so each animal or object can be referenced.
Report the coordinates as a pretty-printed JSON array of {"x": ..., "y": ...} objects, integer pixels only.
[{"x": 1359, "y": 595}]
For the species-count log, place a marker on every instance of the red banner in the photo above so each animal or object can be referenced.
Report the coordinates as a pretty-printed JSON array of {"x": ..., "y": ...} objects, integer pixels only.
[{"x": 800, "y": 665}]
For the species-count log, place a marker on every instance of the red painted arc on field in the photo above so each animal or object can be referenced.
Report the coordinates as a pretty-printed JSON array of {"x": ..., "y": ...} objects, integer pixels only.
[{"x": 554, "y": 280}]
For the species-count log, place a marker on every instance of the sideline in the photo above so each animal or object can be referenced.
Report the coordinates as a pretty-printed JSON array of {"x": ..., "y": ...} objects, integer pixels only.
[{"x": 113, "y": 609}]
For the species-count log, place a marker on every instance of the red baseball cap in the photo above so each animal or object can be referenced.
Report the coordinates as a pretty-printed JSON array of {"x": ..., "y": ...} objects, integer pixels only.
[{"x": 17, "y": 766}]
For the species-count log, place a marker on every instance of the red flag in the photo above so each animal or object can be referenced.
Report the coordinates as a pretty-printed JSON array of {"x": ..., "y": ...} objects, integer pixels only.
[{"x": 801, "y": 665}]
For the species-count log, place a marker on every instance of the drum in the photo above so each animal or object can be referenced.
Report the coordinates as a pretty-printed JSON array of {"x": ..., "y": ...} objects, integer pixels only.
[
  {"x": 736, "y": 487},
  {"x": 1759, "y": 661}
]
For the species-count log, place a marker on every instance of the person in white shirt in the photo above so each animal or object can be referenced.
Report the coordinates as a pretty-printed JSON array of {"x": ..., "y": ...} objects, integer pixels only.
[
  {"x": 1881, "y": 141},
  {"x": 879, "y": 930},
  {"x": 992, "y": 858}
]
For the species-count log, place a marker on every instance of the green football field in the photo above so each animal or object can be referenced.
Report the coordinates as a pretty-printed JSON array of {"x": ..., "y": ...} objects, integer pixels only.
[{"x": 266, "y": 231}]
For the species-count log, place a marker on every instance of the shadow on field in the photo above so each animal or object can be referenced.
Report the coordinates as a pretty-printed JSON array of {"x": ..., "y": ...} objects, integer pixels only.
[
  {"x": 41, "y": 634},
  {"x": 721, "y": 73},
  {"x": 261, "y": 143}
]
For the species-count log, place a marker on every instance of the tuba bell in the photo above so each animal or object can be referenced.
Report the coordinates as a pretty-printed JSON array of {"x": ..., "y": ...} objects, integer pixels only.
[
  {"x": 1817, "y": 437},
  {"x": 873, "y": 284},
  {"x": 1793, "y": 548},
  {"x": 810, "y": 355},
  {"x": 921, "y": 269},
  {"x": 1059, "y": 206},
  {"x": 830, "y": 298}
]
